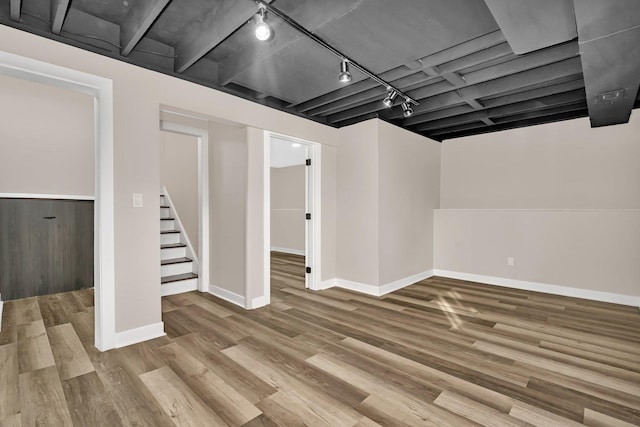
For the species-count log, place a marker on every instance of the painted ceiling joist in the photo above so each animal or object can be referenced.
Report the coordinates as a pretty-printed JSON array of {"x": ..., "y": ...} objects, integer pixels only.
[
  {"x": 473, "y": 65},
  {"x": 142, "y": 15},
  {"x": 58, "y": 14}
]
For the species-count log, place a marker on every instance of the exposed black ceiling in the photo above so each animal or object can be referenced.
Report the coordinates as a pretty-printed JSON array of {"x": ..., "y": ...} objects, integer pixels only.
[{"x": 474, "y": 66}]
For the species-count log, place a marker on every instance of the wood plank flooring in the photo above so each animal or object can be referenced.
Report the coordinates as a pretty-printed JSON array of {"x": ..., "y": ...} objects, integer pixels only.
[{"x": 440, "y": 352}]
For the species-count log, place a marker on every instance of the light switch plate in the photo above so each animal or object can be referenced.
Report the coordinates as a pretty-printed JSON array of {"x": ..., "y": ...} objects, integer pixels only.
[
  {"x": 137, "y": 200},
  {"x": 511, "y": 261}
]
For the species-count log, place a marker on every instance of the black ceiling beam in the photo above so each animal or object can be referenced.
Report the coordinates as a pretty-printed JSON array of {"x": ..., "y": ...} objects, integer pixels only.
[
  {"x": 540, "y": 119},
  {"x": 433, "y": 101},
  {"x": 547, "y": 73},
  {"x": 374, "y": 92},
  {"x": 142, "y": 15},
  {"x": 14, "y": 9},
  {"x": 535, "y": 104},
  {"x": 547, "y": 112},
  {"x": 58, "y": 14},
  {"x": 436, "y": 82},
  {"x": 223, "y": 18},
  {"x": 484, "y": 45},
  {"x": 525, "y": 95},
  {"x": 517, "y": 64}
]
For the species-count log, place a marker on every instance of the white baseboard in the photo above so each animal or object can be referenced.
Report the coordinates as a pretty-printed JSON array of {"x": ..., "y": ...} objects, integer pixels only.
[
  {"x": 178, "y": 287},
  {"x": 357, "y": 286},
  {"x": 327, "y": 284},
  {"x": 406, "y": 281},
  {"x": 226, "y": 295},
  {"x": 380, "y": 290},
  {"x": 258, "y": 302},
  {"x": 143, "y": 333},
  {"x": 543, "y": 287},
  {"x": 288, "y": 251}
]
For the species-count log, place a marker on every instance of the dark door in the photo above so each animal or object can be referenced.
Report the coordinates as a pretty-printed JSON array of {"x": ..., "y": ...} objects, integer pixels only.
[{"x": 46, "y": 246}]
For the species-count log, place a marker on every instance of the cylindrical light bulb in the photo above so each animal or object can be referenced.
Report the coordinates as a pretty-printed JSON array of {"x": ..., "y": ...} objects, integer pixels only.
[{"x": 262, "y": 29}]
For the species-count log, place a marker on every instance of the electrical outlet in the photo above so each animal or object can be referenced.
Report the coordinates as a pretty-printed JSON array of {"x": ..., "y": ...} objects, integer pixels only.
[
  {"x": 511, "y": 261},
  {"x": 137, "y": 200}
]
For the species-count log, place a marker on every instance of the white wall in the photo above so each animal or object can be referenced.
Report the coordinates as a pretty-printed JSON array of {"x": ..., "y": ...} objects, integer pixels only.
[
  {"x": 138, "y": 96},
  {"x": 594, "y": 250},
  {"x": 564, "y": 165},
  {"x": 562, "y": 199},
  {"x": 46, "y": 139},
  {"x": 288, "y": 195},
  {"x": 227, "y": 207},
  {"x": 357, "y": 209},
  {"x": 257, "y": 252},
  {"x": 179, "y": 174},
  {"x": 388, "y": 187},
  {"x": 409, "y": 180}
]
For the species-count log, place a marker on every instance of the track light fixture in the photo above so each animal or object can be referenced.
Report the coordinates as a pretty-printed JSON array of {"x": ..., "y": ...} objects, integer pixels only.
[
  {"x": 407, "y": 111},
  {"x": 345, "y": 75},
  {"x": 262, "y": 30},
  {"x": 391, "y": 96}
]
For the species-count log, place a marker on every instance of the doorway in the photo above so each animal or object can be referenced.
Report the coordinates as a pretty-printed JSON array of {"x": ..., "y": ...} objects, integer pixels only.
[
  {"x": 200, "y": 251},
  {"x": 104, "y": 236},
  {"x": 293, "y": 206}
]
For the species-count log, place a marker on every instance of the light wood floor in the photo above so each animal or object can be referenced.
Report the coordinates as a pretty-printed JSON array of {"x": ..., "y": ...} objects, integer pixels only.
[{"x": 441, "y": 352}]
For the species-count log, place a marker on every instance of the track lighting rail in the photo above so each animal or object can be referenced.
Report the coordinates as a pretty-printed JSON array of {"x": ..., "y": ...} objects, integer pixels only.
[{"x": 294, "y": 24}]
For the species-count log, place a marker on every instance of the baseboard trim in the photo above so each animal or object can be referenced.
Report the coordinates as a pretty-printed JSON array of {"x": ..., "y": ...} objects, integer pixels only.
[
  {"x": 182, "y": 286},
  {"x": 327, "y": 284},
  {"x": 1, "y": 304},
  {"x": 357, "y": 287},
  {"x": 378, "y": 291},
  {"x": 226, "y": 295},
  {"x": 258, "y": 302},
  {"x": 406, "y": 281},
  {"x": 137, "y": 335},
  {"x": 546, "y": 288},
  {"x": 288, "y": 251}
]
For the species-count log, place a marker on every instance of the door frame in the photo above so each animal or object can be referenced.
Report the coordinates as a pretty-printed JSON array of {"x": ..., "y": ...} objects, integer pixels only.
[
  {"x": 203, "y": 193},
  {"x": 104, "y": 226},
  {"x": 313, "y": 205}
]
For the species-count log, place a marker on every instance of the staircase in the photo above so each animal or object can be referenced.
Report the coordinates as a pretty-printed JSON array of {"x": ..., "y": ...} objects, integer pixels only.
[{"x": 177, "y": 265}]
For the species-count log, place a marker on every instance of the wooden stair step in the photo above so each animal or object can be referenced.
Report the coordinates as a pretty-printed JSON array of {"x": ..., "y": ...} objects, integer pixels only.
[
  {"x": 169, "y": 231},
  {"x": 173, "y": 245},
  {"x": 178, "y": 277},
  {"x": 175, "y": 261}
]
